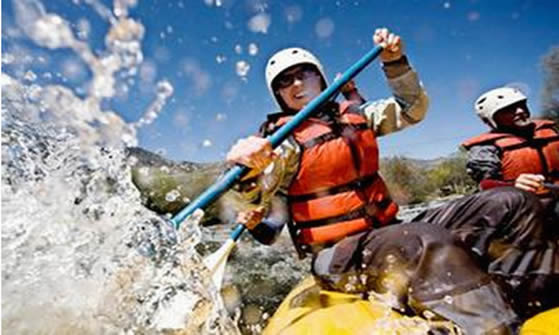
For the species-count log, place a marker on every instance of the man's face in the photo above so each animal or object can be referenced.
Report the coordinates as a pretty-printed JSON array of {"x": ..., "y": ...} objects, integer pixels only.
[
  {"x": 298, "y": 86},
  {"x": 514, "y": 116}
]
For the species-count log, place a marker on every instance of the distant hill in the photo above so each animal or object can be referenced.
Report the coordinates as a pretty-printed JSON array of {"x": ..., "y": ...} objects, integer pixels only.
[{"x": 424, "y": 163}]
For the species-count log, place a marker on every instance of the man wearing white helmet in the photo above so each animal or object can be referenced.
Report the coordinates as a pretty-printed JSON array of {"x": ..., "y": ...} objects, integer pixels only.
[
  {"x": 518, "y": 229},
  {"x": 345, "y": 142},
  {"x": 323, "y": 183},
  {"x": 511, "y": 224},
  {"x": 518, "y": 151}
]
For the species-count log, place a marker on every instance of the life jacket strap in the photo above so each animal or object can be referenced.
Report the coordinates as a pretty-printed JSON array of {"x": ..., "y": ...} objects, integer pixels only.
[
  {"x": 355, "y": 214},
  {"x": 357, "y": 184},
  {"x": 368, "y": 211},
  {"x": 333, "y": 135},
  {"x": 534, "y": 142}
]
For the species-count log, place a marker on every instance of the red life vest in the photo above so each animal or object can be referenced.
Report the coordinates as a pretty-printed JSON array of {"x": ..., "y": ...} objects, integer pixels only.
[
  {"x": 538, "y": 155},
  {"x": 337, "y": 191}
]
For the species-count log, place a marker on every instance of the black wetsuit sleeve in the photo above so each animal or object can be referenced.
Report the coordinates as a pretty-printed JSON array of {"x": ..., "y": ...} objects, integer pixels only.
[
  {"x": 484, "y": 162},
  {"x": 271, "y": 226}
]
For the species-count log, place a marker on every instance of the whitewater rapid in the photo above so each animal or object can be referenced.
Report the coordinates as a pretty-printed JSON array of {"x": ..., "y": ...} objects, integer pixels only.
[{"x": 74, "y": 232}]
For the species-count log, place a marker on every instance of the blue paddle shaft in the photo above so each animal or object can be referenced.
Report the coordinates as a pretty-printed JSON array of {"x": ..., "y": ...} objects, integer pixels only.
[
  {"x": 237, "y": 232},
  {"x": 235, "y": 173}
]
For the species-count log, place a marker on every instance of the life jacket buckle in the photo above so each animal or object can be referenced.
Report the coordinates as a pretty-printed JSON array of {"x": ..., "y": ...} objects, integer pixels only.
[{"x": 371, "y": 209}]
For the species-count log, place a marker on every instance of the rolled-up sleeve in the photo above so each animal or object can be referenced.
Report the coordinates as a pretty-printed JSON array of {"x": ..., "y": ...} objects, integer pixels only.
[{"x": 407, "y": 106}]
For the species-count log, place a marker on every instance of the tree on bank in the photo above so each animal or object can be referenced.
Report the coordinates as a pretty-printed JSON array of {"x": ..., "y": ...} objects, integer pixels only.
[
  {"x": 412, "y": 182},
  {"x": 550, "y": 92}
]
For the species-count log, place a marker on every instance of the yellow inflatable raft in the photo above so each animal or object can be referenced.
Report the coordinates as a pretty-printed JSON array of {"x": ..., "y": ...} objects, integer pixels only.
[
  {"x": 546, "y": 323},
  {"x": 309, "y": 310}
]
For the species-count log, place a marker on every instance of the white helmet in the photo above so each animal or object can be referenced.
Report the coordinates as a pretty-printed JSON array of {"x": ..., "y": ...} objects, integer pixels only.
[
  {"x": 286, "y": 58},
  {"x": 493, "y": 101}
]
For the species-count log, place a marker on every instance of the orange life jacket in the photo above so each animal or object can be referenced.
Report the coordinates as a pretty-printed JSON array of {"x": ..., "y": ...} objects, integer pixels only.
[
  {"x": 538, "y": 155},
  {"x": 337, "y": 191}
]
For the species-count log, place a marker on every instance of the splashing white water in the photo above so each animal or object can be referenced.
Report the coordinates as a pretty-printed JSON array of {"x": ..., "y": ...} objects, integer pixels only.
[{"x": 74, "y": 229}]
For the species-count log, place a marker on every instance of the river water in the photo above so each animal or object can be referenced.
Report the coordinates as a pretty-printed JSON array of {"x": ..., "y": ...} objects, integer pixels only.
[{"x": 74, "y": 233}]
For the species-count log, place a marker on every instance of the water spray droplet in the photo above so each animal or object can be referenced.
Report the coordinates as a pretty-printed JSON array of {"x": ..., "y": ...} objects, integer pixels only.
[
  {"x": 238, "y": 49},
  {"x": 252, "y": 49},
  {"x": 242, "y": 68},
  {"x": 220, "y": 59},
  {"x": 172, "y": 195},
  {"x": 448, "y": 299}
]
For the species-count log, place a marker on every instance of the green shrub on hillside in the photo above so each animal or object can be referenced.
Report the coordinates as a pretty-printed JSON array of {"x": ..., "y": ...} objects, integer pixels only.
[
  {"x": 409, "y": 182},
  {"x": 550, "y": 91}
]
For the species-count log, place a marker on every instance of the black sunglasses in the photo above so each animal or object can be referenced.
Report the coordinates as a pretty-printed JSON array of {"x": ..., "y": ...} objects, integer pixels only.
[
  {"x": 287, "y": 79},
  {"x": 512, "y": 108}
]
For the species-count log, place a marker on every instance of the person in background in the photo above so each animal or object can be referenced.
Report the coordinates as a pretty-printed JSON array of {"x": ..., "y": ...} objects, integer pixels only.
[
  {"x": 517, "y": 151},
  {"x": 518, "y": 157}
]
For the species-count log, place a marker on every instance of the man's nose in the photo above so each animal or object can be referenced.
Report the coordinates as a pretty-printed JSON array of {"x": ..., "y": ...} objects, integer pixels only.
[{"x": 297, "y": 81}]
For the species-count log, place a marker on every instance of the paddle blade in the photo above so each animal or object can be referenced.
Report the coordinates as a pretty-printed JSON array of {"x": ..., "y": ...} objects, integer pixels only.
[{"x": 216, "y": 262}]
